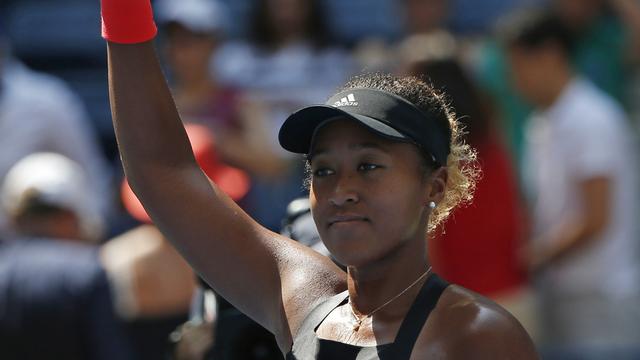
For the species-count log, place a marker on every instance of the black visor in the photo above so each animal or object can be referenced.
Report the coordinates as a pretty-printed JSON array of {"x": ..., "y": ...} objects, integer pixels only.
[{"x": 384, "y": 113}]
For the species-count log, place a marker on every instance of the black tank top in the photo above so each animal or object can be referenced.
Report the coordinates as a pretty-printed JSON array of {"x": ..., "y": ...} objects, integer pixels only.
[{"x": 307, "y": 346}]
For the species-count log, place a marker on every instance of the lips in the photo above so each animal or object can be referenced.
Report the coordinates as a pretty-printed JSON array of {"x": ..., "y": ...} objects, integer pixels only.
[{"x": 346, "y": 218}]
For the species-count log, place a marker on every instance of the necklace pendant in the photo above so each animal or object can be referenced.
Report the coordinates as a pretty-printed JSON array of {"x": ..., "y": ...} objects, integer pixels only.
[{"x": 357, "y": 324}]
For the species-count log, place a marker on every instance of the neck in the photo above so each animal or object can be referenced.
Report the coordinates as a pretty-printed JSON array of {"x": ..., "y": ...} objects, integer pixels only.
[
  {"x": 285, "y": 40},
  {"x": 372, "y": 286},
  {"x": 556, "y": 85}
]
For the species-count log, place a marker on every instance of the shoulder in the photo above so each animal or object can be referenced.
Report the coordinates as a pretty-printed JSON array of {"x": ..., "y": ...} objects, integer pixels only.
[
  {"x": 467, "y": 325},
  {"x": 38, "y": 86},
  {"x": 49, "y": 266},
  {"x": 79, "y": 262},
  {"x": 307, "y": 280},
  {"x": 36, "y": 100},
  {"x": 587, "y": 105},
  {"x": 311, "y": 279}
]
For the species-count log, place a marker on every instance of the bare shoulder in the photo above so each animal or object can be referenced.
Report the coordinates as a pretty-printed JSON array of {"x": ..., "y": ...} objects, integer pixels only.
[
  {"x": 308, "y": 278},
  {"x": 466, "y": 325}
]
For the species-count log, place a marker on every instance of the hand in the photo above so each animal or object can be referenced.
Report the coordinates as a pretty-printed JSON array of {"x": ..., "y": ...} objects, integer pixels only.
[
  {"x": 194, "y": 340},
  {"x": 534, "y": 258}
]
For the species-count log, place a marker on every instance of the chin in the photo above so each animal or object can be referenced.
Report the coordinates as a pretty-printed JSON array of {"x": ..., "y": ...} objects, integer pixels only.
[
  {"x": 352, "y": 259},
  {"x": 352, "y": 248}
]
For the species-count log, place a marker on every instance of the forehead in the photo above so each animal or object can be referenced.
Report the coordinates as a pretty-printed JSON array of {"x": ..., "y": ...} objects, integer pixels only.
[{"x": 521, "y": 54}]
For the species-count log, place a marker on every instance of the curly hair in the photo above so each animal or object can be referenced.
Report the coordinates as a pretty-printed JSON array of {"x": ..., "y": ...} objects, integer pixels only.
[{"x": 463, "y": 170}]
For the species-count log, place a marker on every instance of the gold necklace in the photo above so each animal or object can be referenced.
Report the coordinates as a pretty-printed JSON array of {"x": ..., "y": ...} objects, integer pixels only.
[{"x": 359, "y": 319}]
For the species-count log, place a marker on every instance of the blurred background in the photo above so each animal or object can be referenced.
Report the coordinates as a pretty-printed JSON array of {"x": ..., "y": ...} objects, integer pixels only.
[{"x": 547, "y": 91}]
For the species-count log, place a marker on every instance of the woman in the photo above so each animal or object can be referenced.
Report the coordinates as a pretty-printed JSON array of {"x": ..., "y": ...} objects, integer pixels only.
[{"x": 375, "y": 189}]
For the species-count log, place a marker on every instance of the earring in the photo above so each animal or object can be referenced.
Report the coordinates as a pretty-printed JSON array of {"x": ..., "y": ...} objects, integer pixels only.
[{"x": 432, "y": 205}]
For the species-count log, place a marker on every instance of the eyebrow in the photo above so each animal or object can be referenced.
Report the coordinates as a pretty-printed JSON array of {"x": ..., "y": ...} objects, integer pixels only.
[{"x": 358, "y": 146}]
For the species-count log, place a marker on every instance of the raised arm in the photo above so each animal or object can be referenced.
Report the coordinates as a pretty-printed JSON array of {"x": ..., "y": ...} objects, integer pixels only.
[{"x": 250, "y": 266}]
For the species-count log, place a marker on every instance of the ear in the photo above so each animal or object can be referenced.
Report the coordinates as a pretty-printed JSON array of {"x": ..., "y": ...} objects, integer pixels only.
[{"x": 437, "y": 185}]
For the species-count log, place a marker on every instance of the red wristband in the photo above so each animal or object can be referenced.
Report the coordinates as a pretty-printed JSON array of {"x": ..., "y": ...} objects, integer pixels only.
[{"x": 128, "y": 21}]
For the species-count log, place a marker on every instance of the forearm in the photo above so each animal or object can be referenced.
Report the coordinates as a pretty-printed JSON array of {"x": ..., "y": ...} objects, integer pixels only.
[
  {"x": 574, "y": 233},
  {"x": 564, "y": 242},
  {"x": 148, "y": 129}
]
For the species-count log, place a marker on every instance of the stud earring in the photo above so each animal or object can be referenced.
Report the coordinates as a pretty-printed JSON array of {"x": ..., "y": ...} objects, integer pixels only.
[{"x": 432, "y": 205}]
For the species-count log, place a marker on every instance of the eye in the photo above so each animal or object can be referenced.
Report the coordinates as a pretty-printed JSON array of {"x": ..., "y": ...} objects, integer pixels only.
[
  {"x": 322, "y": 172},
  {"x": 368, "y": 167}
]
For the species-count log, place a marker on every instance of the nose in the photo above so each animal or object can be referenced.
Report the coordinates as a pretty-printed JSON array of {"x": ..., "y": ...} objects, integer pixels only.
[{"x": 345, "y": 191}]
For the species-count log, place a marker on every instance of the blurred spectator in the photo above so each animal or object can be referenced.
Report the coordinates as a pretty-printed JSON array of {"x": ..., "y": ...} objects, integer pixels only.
[
  {"x": 39, "y": 113},
  {"x": 581, "y": 173},
  {"x": 421, "y": 19},
  {"x": 426, "y": 16},
  {"x": 289, "y": 58},
  {"x": 216, "y": 330},
  {"x": 475, "y": 18},
  {"x": 193, "y": 31},
  {"x": 152, "y": 286},
  {"x": 479, "y": 245},
  {"x": 55, "y": 301},
  {"x": 299, "y": 226},
  {"x": 289, "y": 62},
  {"x": 194, "y": 340},
  {"x": 151, "y": 280},
  {"x": 605, "y": 46}
]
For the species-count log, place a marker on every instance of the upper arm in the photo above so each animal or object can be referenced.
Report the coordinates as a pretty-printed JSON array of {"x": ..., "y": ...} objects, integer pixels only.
[
  {"x": 465, "y": 325},
  {"x": 491, "y": 337},
  {"x": 498, "y": 336},
  {"x": 258, "y": 271},
  {"x": 595, "y": 151},
  {"x": 596, "y": 202}
]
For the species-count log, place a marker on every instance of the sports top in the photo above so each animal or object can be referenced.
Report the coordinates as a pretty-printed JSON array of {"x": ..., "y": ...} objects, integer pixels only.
[{"x": 307, "y": 345}]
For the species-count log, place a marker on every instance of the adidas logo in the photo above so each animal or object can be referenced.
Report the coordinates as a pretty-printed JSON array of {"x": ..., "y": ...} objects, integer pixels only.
[{"x": 349, "y": 100}]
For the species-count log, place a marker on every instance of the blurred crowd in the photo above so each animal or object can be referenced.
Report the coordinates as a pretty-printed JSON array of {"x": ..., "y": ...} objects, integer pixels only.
[{"x": 547, "y": 91}]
